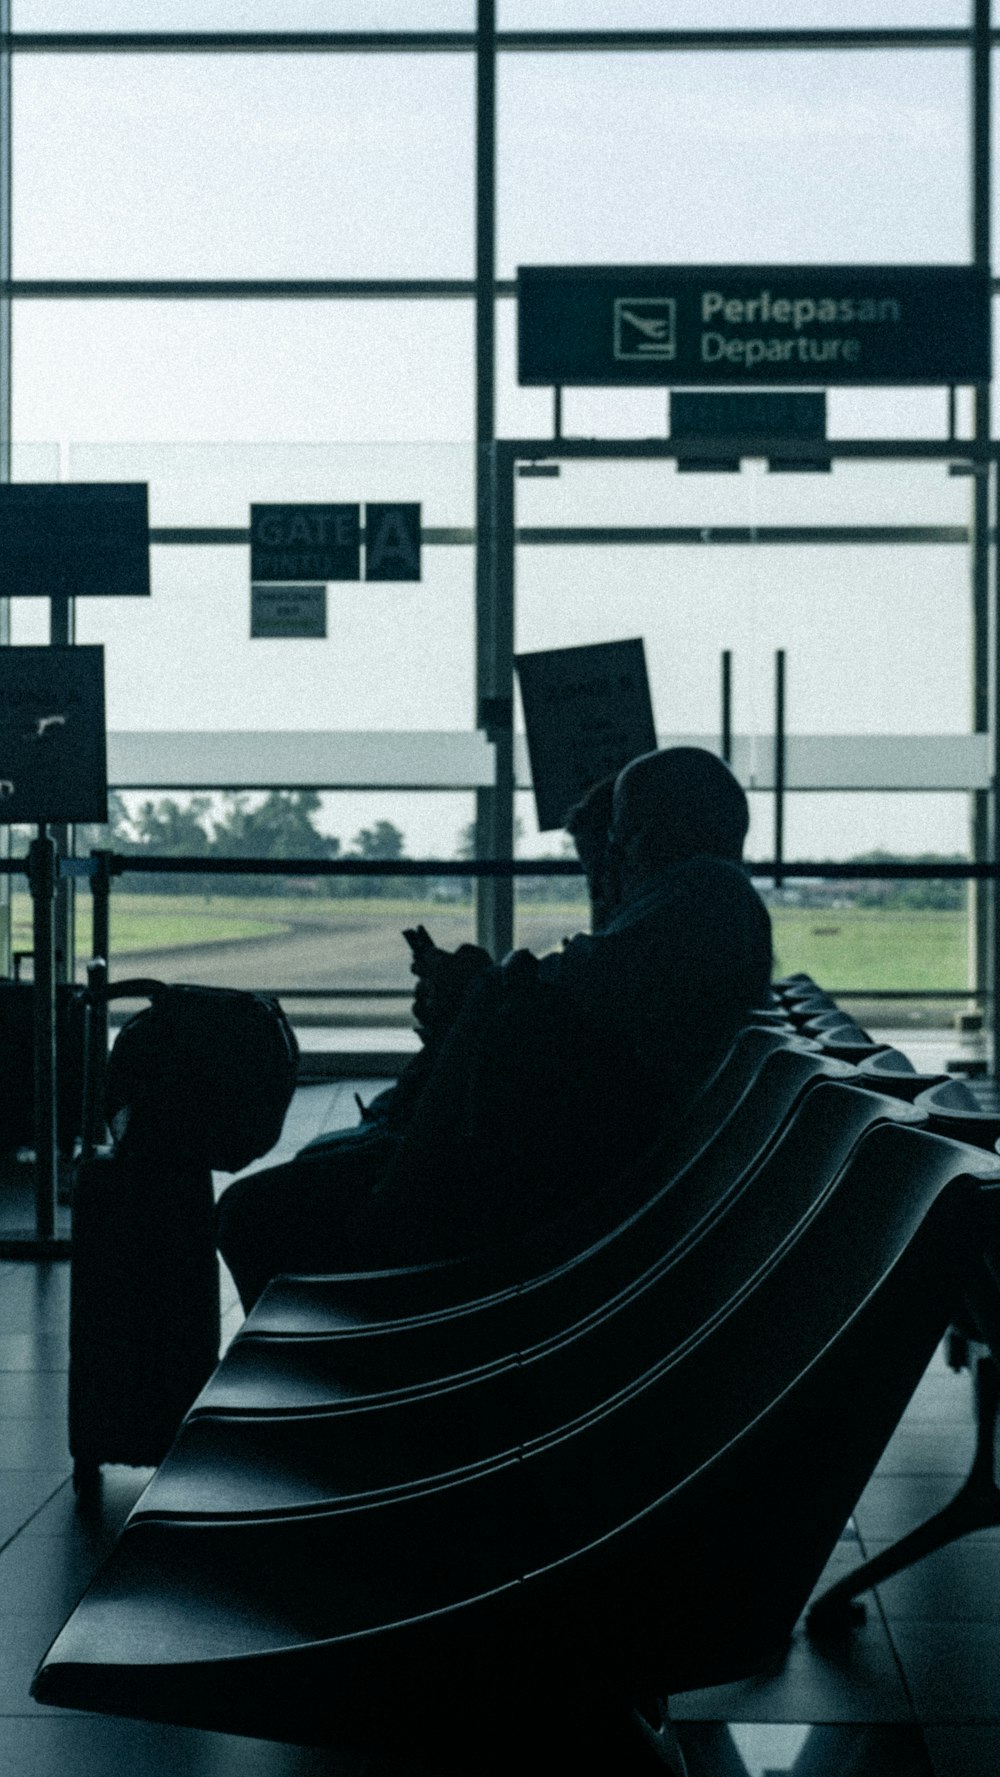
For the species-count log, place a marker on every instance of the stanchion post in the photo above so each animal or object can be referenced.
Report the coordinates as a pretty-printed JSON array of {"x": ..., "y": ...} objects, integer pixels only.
[
  {"x": 100, "y": 938},
  {"x": 727, "y": 705},
  {"x": 42, "y": 883},
  {"x": 779, "y": 766}
]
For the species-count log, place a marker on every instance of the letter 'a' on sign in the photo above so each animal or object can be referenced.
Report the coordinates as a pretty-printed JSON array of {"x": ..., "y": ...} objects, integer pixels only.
[
  {"x": 305, "y": 543},
  {"x": 392, "y": 541},
  {"x": 587, "y": 712},
  {"x": 53, "y": 745}
]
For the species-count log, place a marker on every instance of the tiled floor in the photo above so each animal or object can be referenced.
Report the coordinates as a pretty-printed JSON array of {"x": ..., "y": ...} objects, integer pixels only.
[{"x": 913, "y": 1692}]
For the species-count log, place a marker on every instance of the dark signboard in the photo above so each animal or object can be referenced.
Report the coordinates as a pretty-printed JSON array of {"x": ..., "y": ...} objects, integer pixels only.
[
  {"x": 587, "y": 712},
  {"x": 311, "y": 543},
  {"x": 675, "y": 325},
  {"x": 53, "y": 750},
  {"x": 392, "y": 541},
  {"x": 696, "y": 413},
  {"x": 279, "y": 612},
  {"x": 74, "y": 539}
]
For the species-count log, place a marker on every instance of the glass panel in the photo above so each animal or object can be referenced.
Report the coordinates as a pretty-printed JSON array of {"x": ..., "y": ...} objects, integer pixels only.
[
  {"x": 243, "y": 15},
  {"x": 707, "y": 15},
  {"x": 395, "y": 656},
  {"x": 841, "y": 156},
  {"x": 877, "y": 637},
  {"x": 250, "y": 370},
  {"x": 331, "y": 945},
  {"x": 214, "y": 484},
  {"x": 250, "y": 166}
]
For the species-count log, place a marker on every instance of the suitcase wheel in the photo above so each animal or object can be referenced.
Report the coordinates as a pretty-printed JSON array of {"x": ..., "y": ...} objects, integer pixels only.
[{"x": 86, "y": 1478}]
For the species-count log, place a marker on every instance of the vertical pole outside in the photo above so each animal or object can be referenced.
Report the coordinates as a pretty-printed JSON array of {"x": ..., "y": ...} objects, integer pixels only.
[
  {"x": 494, "y": 684},
  {"x": 42, "y": 879},
  {"x": 983, "y": 956},
  {"x": 779, "y": 766},
  {"x": 100, "y": 941},
  {"x": 727, "y": 705},
  {"x": 5, "y": 399},
  {"x": 62, "y": 632},
  {"x": 994, "y": 898}
]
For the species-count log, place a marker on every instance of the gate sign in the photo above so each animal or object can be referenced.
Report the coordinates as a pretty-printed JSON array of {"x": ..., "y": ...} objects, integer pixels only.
[
  {"x": 392, "y": 541},
  {"x": 314, "y": 544},
  {"x": 587, "y": 712},
  {"x": 677, "y": 325},
  {"x": 311, "y": 543}
]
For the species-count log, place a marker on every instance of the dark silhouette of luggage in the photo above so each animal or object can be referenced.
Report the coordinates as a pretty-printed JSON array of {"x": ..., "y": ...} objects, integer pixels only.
[{"x": 201, "y": 1079}]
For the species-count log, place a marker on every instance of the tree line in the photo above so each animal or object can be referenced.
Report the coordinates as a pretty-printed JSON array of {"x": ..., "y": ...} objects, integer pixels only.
[{"x": 282, "y": 824}]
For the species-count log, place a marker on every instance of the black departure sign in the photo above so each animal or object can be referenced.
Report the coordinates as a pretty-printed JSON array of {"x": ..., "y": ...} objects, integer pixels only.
[{"x": 689, "y": 325}]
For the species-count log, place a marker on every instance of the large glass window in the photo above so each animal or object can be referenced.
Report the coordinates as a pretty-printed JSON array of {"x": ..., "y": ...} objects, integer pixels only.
[
  {"x": 250, "y": 166},
  {"x": 785, "y": 158},
  {"x": 267, "y": 370}
]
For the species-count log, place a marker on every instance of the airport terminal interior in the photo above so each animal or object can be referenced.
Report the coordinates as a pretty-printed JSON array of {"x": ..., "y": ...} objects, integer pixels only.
[{"x": 422, "y": 341}]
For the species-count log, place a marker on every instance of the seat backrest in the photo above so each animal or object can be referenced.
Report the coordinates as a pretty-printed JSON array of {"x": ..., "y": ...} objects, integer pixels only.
[
  {"x": 891, "y": 1071},
  {"x": 952, "y": 1108},
  {"x": 574, "y": 1349},
  {"x": 719, "y": 1141},
  {"x": 731, "y": 1513}
]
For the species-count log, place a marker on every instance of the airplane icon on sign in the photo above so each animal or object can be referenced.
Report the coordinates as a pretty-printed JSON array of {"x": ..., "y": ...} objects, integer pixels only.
[{"x": 645, "y": 327}]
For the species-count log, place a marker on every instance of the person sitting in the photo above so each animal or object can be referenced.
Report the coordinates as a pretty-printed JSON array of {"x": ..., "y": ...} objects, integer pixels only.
[
  {"x": 558, "y": 1073},
  {"x": 553, "y": 1073}
]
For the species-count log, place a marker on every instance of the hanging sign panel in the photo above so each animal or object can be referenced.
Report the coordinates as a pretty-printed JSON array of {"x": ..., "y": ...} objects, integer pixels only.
[
  {"x": 676, "y": 325},
  {"x": 587, "y": 712},
  {"x": 310, "y": 543},
  {"x": 53, "y": 748},
  {"x": 287, "y": 613},
  {"x": 74, "y": 539},
  {"x": 392, "y": 541}
]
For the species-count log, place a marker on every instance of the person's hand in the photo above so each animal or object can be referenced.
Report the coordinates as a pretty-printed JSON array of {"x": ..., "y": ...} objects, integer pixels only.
[{"x": 444, "y": 977}]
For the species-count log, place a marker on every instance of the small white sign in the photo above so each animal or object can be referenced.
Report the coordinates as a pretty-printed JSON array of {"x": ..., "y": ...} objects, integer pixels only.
[
  {"x": 646, "y": 327},
  {"x": 287, "y": 612}
]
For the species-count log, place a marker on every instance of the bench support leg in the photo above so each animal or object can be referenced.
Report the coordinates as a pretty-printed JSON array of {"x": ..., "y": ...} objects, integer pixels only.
[
  {"x": 660, "y": 1735},
  {"x": 976, "y": 1506}
]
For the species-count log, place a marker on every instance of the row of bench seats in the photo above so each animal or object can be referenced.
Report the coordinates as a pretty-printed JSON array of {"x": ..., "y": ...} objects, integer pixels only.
[{"x": 556, "y": 1483}]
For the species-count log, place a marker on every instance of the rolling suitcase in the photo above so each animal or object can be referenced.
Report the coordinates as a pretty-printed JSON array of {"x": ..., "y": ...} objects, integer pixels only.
[{"x": 201, "y": 1079}]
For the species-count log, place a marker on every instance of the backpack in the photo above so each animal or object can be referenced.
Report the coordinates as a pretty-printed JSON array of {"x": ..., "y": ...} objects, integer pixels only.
[{"x": 207, "y": 1071}]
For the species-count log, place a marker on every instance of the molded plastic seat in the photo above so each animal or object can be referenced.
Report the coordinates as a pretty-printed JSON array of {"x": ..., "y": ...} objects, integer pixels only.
[
  {"x": 666, "y": 1541},
  {"x": 952, "y": 1108},
  {"x": 574, "y": 1342},
  {"x": 892, "y": 1071},
  {"x": 646, "y": 1213},
  {"x": 349, "y": 1300}
]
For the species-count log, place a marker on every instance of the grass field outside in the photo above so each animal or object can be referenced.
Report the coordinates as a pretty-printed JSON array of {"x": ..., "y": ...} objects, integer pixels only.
[{"x": 357, "y": 939}]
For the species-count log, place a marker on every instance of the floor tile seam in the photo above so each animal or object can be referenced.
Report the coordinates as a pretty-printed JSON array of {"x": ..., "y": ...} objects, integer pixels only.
[
  {"x": 874, "y": 1594},
  {"x": 32, "y": 1515}
]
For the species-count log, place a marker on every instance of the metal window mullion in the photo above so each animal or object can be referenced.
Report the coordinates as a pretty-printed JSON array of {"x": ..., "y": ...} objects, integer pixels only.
[
  {"x": 981, "y": 965},
  {"x": 494, "y": 806},
  {"x": 6, "y": 187}
]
